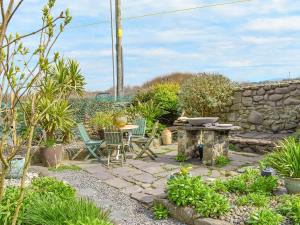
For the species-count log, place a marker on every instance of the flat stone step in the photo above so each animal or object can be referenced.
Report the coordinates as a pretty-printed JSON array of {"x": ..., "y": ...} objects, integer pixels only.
[{"x": 255, "y": 142}]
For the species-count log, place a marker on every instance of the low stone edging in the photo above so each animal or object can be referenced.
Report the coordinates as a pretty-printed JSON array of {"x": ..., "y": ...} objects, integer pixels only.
[{"x": 188, "y": 215}]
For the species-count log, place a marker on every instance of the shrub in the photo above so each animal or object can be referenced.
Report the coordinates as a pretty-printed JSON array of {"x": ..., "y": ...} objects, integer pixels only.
[
  {"x": 285, "y": 159},
  {"x": 222, "y": 161},
  {"x": 53, "y": 187},
  {"x": 219, "y": 186},
  {"x": 254, "y": 199},
  {"x": 205, "y": 94},
  {"x": 160, "y": 211},
  {"x": 290, "y": 206},
  {"x": 102, "y": 119},
  {"x": 185, "y": 190},
  {"x": 265, "y": 217},
  {"x": 212, "y": 205},
  {"x": 264, "y": 184},
  {"x": 181, "y": 157}
]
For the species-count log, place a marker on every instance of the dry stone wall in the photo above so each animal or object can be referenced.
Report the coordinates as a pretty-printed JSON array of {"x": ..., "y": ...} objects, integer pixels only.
[{"x": 269, "y": 107}]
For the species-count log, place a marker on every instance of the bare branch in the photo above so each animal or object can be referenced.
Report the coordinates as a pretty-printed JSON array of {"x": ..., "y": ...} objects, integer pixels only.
[
  {"x": 2, "y": 10},
  {"x": 35, "y": 32},
  {"x": 14, "y": 11}
]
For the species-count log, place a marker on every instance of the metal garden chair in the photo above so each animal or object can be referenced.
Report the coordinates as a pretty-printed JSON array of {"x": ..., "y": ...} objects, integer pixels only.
[
  {"x": 91, "y": 145},
  {"x": 114, "y": 141},
  {"x": 144, "y": 144}
]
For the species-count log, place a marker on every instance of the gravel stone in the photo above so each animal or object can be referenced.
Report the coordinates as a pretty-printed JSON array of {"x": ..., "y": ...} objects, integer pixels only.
[{"x": 124, "y": 210}]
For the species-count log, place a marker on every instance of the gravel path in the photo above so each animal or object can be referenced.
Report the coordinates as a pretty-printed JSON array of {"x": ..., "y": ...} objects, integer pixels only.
[{"x": 124, "y": 210}]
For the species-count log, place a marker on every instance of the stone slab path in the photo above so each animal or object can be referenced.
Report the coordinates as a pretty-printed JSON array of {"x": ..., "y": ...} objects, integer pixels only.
[
  {"x": 144, "y": 180},
  {"x": 124, "y": 210}
]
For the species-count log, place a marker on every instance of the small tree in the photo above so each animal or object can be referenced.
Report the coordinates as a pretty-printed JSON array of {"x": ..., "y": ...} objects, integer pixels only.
[
  {"x": 206, "y": 94},
  {"x": 21, "y": 71}
]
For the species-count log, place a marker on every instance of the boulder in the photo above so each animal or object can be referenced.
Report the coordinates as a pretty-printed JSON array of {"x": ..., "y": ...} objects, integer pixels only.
[
  {"x": 291, "y": 101},
  {"x": 256, "y": 118},
  {"x": 247, "y": 101},
  {"x": 275, "y": 97},
  {"x": 282, "y": 90},
  {"x": 247, "y": 93},
  {"x": 261, "y": 91},
  {"x": 258, "y": 98},
  {"x": 210, "y": 221}
]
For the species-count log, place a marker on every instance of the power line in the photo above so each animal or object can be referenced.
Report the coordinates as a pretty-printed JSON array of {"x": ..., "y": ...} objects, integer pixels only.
[{"x": 165, "y": 13}]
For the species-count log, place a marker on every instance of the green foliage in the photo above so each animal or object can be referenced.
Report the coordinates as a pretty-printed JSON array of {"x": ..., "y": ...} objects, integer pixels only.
[
  {"x": 164, "y": 95},
  {"x": 52, "y": 211},
  {"x": 222, "y": 161},
  {"x": 205, "y": 94},
  {"x": 251, "y": 181},
  {"x": 64, "y": 168},
  {"x": 53, "y": 187},
  {"x": 181, "y": 157},
  {"x": 212, "y": 205},
  {"x": 285, "y": 159},
  {"x": 265, "y": 217},
  {"x": 290, "y": 206},
  {"x": 51, "y": 202},
  {"x": 185, "y": 190},
  {"x": 160, "y": 211},
  {"x": 254, "y": 199},
  {"x": 103, "y": 119},
  {"x": 219, "y": 186}
]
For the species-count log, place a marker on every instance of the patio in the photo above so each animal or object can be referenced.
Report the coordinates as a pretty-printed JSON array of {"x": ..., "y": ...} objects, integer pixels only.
[{"x": 145, "y": 180}]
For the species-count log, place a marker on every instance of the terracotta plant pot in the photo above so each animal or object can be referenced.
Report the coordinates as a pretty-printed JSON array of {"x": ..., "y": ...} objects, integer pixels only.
[
  {"x": 120, "y": 121},
  {"x": 166, "y": 137},
  {"x": 16, "y": 168},
  {"x": 52, "y": 156},
  {"x": 292, "y": 185}
]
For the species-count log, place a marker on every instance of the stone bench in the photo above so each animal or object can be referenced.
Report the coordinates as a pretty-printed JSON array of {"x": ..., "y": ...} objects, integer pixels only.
[{"x": 255, "y": 142}]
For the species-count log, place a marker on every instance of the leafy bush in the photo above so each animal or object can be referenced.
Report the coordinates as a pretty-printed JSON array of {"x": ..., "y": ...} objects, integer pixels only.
[
  {"x": 264, "y": 184},
  {"x": 160, "y": 211},
  {"x": 102, "y": 119},
  {"x": 219, "y": 186},
  {"x": 53, "y": 187},
  {"x": 222, "y": 161},
  {"x": 212, "y": 205},
  {"x": 254, "y": 199},
  {"x": 181, "y": 157},
  {"x": 290, "y": 206},
  {"x": 205, "y": 94},
  {"x": 265, "y": 217},
  {"x": 163, "y": 96},
  {"x": 285, "y": 159},
  {"x": 186, "y": 190}
]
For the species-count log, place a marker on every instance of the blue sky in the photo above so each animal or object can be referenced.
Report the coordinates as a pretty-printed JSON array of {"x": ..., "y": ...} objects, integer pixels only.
[{"x": 253, "y": 41}]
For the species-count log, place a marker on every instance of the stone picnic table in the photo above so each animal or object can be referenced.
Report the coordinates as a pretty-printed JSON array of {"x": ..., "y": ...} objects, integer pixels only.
[{"x": 214, "y": 138}]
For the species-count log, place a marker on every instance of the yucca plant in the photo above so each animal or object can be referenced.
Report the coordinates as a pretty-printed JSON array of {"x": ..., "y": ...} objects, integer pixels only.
[{"x": 285, "y": 159}]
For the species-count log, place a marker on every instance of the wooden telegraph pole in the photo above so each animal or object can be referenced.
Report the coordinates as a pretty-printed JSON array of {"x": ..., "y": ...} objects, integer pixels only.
[{"x": 119, "y": 34}]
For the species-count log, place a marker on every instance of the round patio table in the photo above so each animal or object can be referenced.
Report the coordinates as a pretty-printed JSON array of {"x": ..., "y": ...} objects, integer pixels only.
[{"x": 128, "y": 128}]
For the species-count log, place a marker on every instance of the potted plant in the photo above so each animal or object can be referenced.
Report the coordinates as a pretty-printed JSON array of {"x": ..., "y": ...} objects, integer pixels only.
[
  {"x": 286, "y": 161},
  {"x": 120, "y": 118},
  {"x": 62, "y": 79},
  {"x": 102, "y": 120}
]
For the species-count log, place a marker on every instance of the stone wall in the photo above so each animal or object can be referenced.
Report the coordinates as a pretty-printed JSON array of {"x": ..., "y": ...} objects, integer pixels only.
[{"x": 268, "y": 107}]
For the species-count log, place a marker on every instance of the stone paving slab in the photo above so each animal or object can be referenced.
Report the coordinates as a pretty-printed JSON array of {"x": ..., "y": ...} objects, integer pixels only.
[
  {"x": 145, "y": 178},
  {"x": 117, "y": 183},
  {"x": 143, "y": 198}
]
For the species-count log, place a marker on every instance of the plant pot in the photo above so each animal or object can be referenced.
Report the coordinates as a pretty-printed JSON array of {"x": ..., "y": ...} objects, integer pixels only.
[
  {"x": 52, "y": 156},
  {"x": 292, "y": 185},
  {"x": 166, "y": 137},
  {"x": 16, "y": 168},
  {"x": 120, "y": 121}
]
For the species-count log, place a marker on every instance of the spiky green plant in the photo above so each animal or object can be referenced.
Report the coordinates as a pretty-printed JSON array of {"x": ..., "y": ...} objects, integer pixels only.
[{"x": 285, "y": 159}]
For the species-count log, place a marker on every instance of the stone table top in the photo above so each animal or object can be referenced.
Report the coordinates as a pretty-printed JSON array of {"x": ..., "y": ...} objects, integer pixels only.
[{"x": 210, "y": 128}]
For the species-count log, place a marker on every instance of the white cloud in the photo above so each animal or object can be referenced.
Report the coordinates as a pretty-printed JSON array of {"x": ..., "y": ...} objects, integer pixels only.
[
  {"x": 266, "y": 40},
  {"x": 289, "y": 23}
]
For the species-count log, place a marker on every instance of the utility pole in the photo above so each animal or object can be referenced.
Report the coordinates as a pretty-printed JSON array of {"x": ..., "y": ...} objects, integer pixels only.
[
  {"x": 119, "y": 34},
  {"x": 112, "y": 50}
]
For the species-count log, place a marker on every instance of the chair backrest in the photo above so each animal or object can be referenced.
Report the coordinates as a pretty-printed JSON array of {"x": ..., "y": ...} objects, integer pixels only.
[
  {"x": 83, "y": 133},
  {"x": 154, "y": 129},
  {"x": 113, "y": 136},
  {"x": 140, "y": 131}
]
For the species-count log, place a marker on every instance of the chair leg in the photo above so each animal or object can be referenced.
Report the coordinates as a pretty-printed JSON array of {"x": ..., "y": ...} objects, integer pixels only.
[{"x": 152, "y": 152}]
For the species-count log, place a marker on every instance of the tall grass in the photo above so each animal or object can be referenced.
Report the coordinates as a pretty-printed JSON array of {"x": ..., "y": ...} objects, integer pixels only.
[
  {"x": 53, "y": 211},
  {"x": 286, "y": 158}
]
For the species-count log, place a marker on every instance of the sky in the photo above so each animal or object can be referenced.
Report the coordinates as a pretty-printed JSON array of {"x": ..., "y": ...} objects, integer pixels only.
[{"x": 252, "y": 41}]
